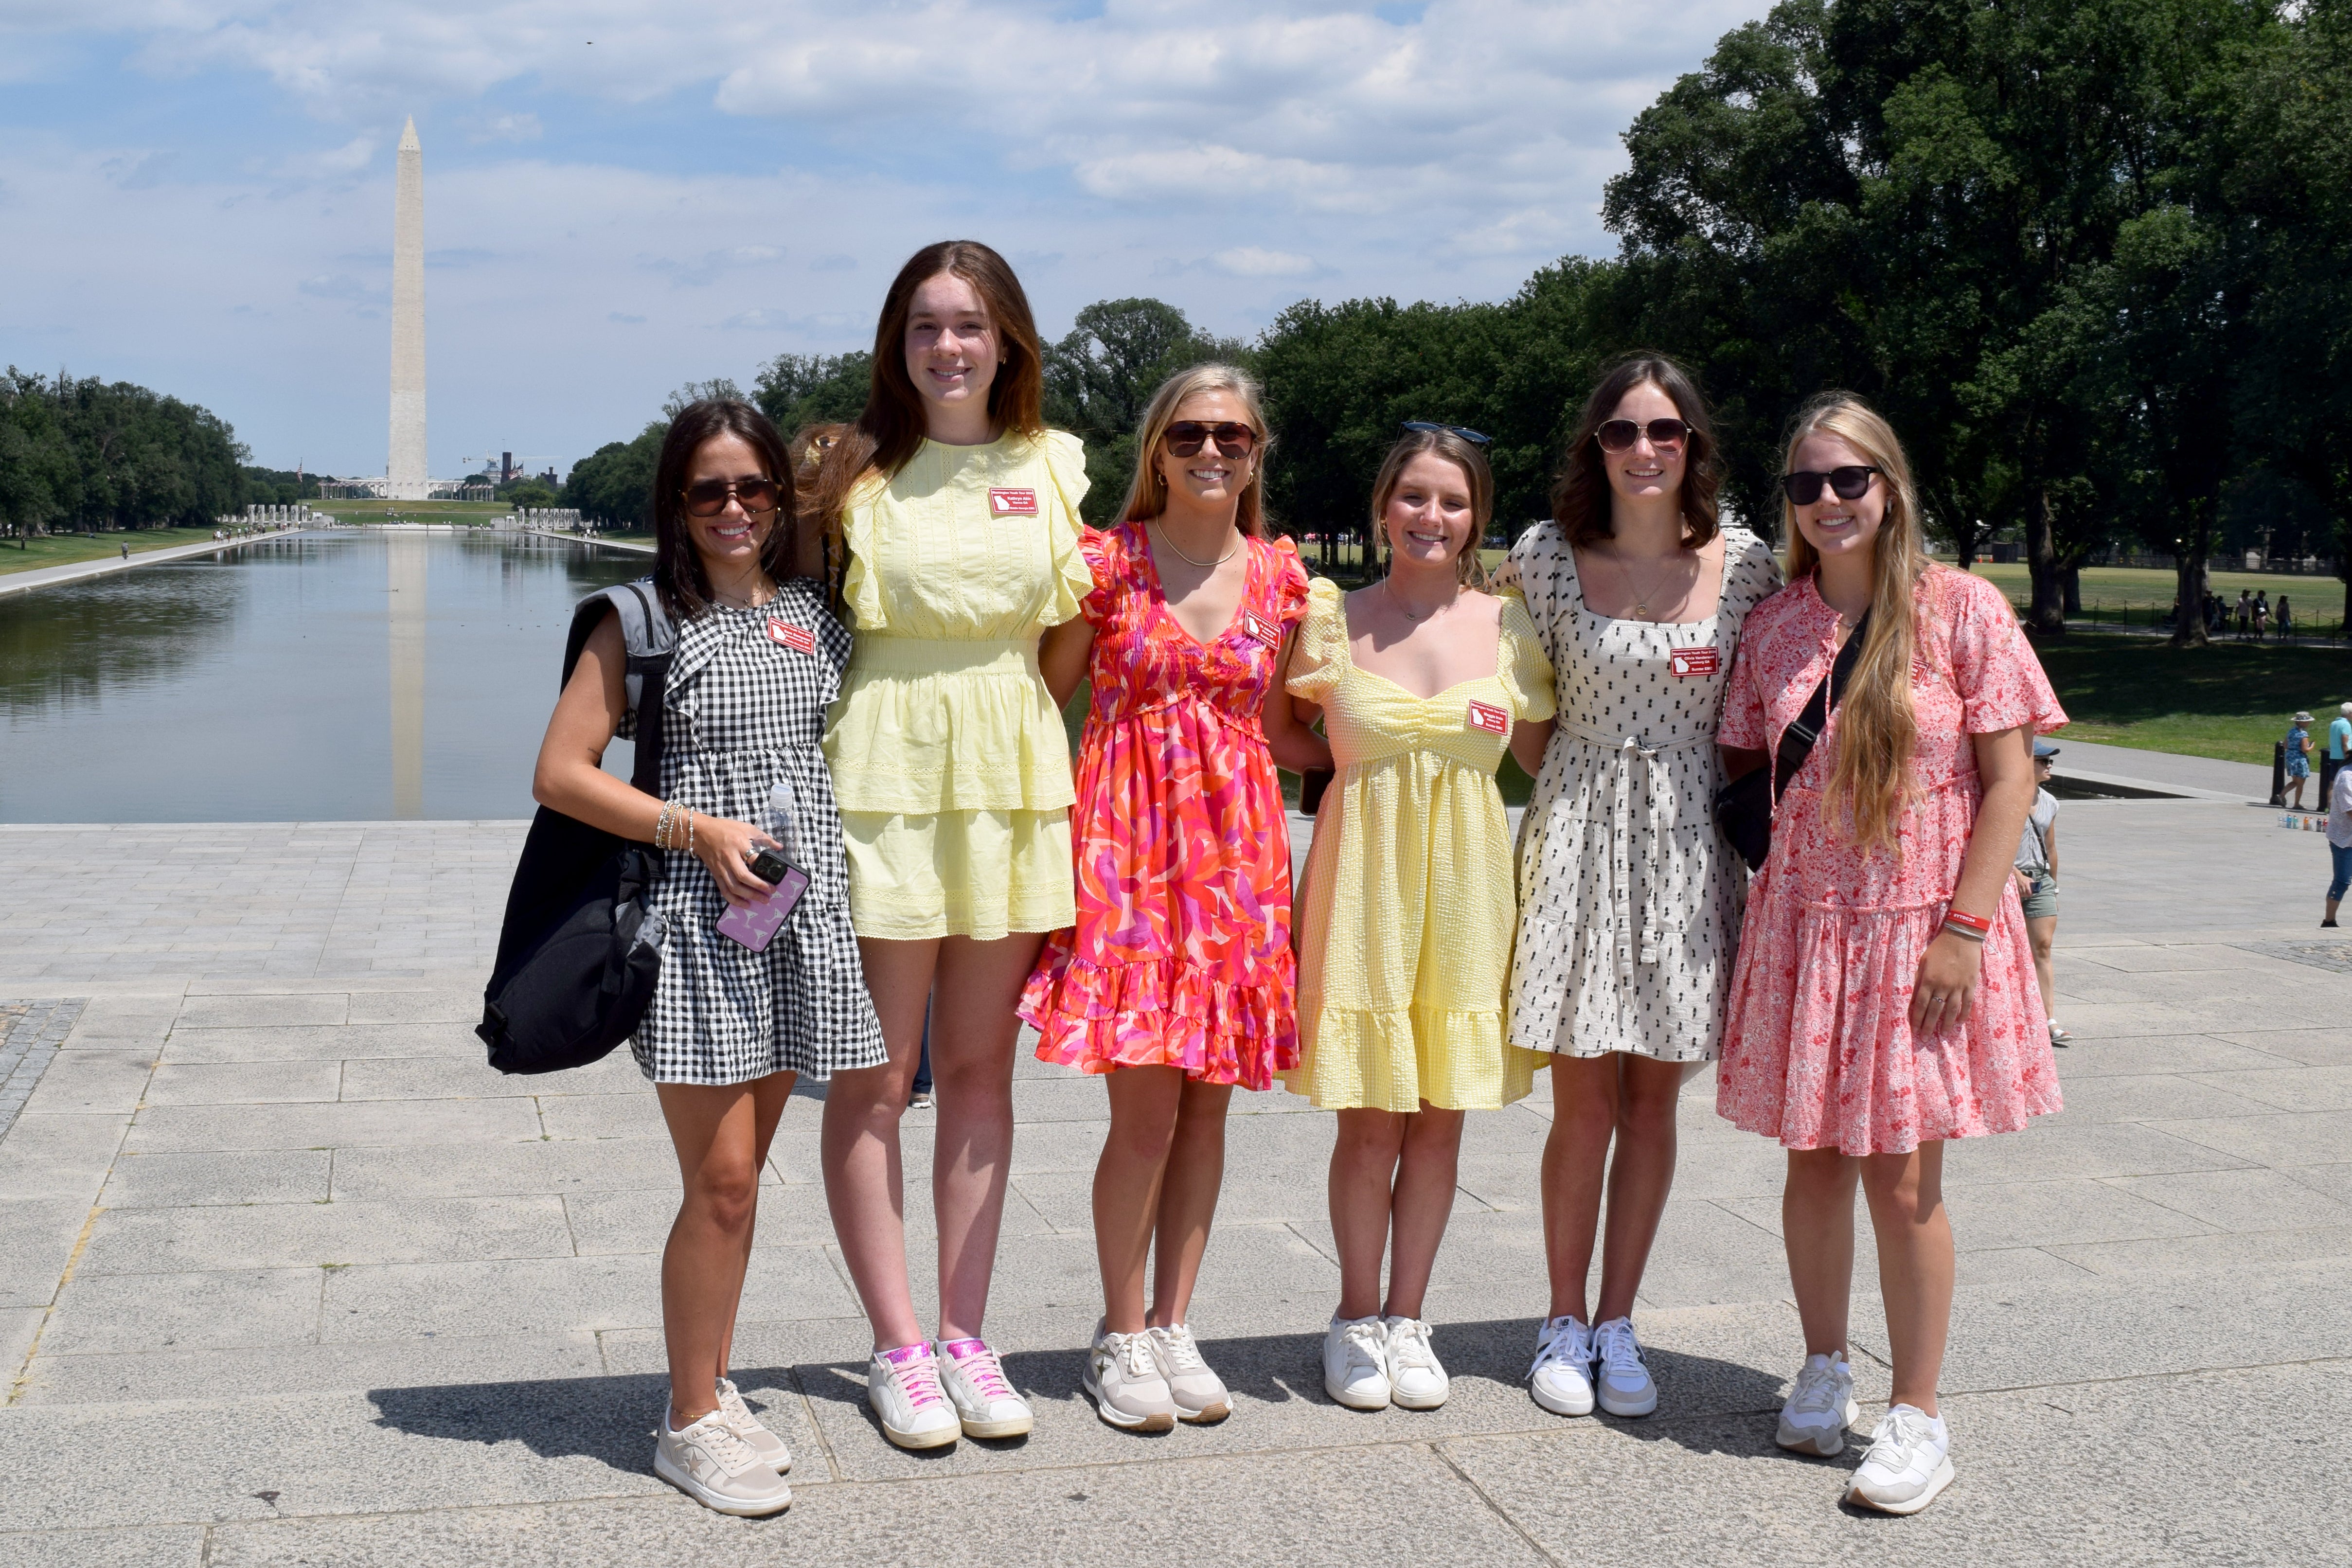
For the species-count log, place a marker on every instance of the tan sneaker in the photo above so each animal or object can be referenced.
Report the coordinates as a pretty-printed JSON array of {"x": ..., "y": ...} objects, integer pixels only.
[
  {"x": 1199, "y": 1393},
  {"x": 717, "y": 1469},
  {"x": 1123, "y": 1379},
  {"x": 746, "y": 1425}
]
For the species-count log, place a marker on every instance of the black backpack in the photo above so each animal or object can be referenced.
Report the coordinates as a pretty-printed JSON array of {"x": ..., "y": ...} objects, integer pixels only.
[{"x": 579, "y": 951}]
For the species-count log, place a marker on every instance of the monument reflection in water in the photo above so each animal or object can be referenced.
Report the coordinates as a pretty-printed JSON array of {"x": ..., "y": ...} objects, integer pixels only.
[{"x": 339, "y": 676}]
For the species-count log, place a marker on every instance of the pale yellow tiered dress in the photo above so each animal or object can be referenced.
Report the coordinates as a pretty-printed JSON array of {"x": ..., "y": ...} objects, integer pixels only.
[
  {"x": 1410, "y": 904},
  {"x": 949, "y": 759}
]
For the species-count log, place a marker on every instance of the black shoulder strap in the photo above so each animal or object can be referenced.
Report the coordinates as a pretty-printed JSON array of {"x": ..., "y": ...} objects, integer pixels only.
[
  {"x": 649, "y": 639},
  {"x": 1797, "y": 739}
]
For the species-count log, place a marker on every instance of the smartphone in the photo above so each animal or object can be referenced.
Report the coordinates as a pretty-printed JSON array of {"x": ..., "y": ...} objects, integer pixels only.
[{"x": 756, "y": 925}]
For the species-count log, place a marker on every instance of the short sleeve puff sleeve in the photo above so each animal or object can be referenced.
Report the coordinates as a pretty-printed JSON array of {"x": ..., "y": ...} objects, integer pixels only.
[
  {"x": 1066, "y": 462},
  {"x": 861, "y": 586},
  {"x": 1319, "y": 657},
  {"x": 1289, "y": 584},
  {"x": 1742, "y": 725},
  {"x": 1526, "y": 673},
  {"x": 1106, "y": 565},
  {"x": 1995, "y": 671}
]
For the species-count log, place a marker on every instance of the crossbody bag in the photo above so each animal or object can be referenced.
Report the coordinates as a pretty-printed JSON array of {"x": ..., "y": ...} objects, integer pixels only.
[{"x": 1745, "y": 807}]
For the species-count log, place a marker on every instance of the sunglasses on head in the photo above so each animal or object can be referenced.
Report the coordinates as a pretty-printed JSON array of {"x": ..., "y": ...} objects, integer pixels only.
[
  {"x": 708, "y": 497},
  {"x": 1234, "y": 438},
  {"x": 1473, "y": 436},
  {"x": 1803, "y": 486},
  {"x": 1619, "y": 434}
]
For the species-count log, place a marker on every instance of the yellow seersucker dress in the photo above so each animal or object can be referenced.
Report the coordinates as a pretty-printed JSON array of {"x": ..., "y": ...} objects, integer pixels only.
[
  {"x": 1411, "y": 905},
  {"x": 949, "y": 759}
]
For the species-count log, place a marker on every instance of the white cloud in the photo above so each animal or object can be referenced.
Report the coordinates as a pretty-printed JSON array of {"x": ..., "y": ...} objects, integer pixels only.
[{"x": 1251, "y": 261}]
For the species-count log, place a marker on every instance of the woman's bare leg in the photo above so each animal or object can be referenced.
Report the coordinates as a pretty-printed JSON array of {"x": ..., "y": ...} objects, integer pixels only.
[
  {"x": 1144, "y": 1106},
  {"x": 860, "y": 1154},
  {"x": 1423, "y": 1202},
  {"x": 1640, "y": 1176},
  {"x": 1574, "y": 1173},
  {"x": 973, "y": 1034},
  {"x": 1916, "y": 1265},
  {"x": 2042, "y": 935},
  {"x": 1817, "y": 1227},
  {"x": 717, "y": 1132},
  {"x": 1191, "y": 1180},
  {"x": 1363, "y": 1171}
]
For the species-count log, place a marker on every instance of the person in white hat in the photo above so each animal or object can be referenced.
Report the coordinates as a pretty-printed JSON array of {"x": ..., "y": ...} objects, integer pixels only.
[{"x": 2298, "y": 757}]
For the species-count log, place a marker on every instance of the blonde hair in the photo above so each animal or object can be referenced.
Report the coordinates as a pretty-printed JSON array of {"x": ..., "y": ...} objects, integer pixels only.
[
  {"x": 1464, "y": 455},
  {"x": 1147, "y": 493},
  {"x": 1877, "y": 730}
]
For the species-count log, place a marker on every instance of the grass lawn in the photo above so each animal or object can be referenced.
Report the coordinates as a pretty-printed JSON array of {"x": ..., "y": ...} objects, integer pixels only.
[
  {"x": 2142, "y": 596},
  {"x": 65, "y": 549},
  {"x": 2231, "y": 701}
]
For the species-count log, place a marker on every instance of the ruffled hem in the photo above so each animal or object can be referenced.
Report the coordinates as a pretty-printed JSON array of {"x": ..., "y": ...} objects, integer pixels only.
[
  {"x": 958, "y": 741},
  {"x": 1819, "y": 1053},
  {"x": 1455, "y": 1059},
  {"x": 1165, "y": 1013}
]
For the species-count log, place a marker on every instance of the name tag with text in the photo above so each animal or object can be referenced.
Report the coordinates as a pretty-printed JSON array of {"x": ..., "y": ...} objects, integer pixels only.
[
  {"x": 1486, "y": 716},
  {"x": 1264, "y": 630},
  {"x": 1691, "y": 661},
  {"x": 800, "y": 639},
  {"x": 1012, "y": 503}
]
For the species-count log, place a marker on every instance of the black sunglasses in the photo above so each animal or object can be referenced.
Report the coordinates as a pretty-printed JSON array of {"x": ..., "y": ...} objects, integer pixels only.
[
  {"x": 1473, "y": 436},
  {"x": 708, "y": 497},
  {"x": 1234, "y": 438},
  {"x": 1619, "y": 434},
  {"x": 1803, "y": 486}
]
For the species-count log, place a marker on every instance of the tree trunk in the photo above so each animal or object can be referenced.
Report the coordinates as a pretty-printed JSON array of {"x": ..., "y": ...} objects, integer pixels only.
[
  {"x": 2072, "y": 577},
  {"x": 2047, "y": 615},
  {"x": 2189, "y": 622}
]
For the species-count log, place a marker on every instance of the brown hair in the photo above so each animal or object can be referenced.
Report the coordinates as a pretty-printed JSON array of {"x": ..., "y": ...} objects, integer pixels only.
[
  {"x": 1147, "y": 493},
  {"x": 1464, "y": 455},
  {"x": 1581, "y": 496},
  {"x": 683, "y": 585},
  {"x": 1877, "y": 730},
  {"x": 889, "y": 432}
]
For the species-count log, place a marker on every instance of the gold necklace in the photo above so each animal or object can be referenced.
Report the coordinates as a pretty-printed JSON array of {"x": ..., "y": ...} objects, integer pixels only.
[
  {"x": 1641, "y": 599},
  {"x": 1389, "y": 584},
  {"x": 751, "y": 603},
  {"x": 1162, "y": 529}
]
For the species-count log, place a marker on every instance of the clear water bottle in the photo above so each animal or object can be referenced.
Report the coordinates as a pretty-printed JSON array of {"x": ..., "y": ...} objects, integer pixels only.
[{"x": 782, "y": 824}]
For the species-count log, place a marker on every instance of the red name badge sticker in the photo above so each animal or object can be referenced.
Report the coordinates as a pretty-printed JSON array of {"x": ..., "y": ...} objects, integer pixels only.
[
  {"x": 1264, "y": 630},
  {"x": 800, "y": 639},
  {"x": 1012, "y": 503},
  {"x": 1486, "y": 716},
  {"x": 1690, "y": 661}
]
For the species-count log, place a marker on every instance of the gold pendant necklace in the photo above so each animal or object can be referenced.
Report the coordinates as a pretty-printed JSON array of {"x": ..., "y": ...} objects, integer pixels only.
[{"x": 1160, "y": 529}]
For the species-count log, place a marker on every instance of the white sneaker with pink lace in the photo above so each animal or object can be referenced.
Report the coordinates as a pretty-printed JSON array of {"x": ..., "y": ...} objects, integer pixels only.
[
  {"x": 903, "y": 1386},
  {"x": 985, "y": 1404}
]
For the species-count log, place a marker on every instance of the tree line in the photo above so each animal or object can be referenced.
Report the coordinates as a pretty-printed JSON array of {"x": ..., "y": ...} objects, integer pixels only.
[
  {"x": 2090, "y": 256},
  {"x": 79, "y": 453}
]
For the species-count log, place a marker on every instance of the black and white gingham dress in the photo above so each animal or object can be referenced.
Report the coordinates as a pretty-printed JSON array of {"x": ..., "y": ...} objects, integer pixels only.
[{"x": 745, "y": 707}]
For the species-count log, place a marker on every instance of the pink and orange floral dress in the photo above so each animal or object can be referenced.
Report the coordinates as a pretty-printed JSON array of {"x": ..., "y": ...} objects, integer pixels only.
[
  {"x": 1818, "y": 1051},
  {"x": 1181, "y": 953}
]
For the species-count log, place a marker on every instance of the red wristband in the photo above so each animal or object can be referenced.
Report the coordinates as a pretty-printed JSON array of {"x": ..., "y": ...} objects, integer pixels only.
[{"x": 1967, "y": 922}]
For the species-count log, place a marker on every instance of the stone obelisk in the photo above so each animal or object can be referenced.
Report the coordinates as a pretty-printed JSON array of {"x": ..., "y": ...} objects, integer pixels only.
[{"x": 406, "y": 474}]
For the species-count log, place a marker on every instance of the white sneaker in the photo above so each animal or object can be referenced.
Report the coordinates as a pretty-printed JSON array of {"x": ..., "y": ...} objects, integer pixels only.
[
  {"x": 1620, "y": 1381},
  {"x": 1819, "y": 1408},
  {"x": 1200, "y": 1394},
  {"x": 1909, "y": 1462},
  {"x": 903, "y": 1386},
  {"x": 717, "y": 1469},
  {"x": 1415, "y": 1380},
  {"x": 1561, "y": 1378},
  {"x": 1356, "y": 1363},
  {"x": 1124, "y": 1380},
  {"x": 985, "y": 1404},
  {"x": 2060, "y": 1035},
  {"x": 746, "y": 1425}
]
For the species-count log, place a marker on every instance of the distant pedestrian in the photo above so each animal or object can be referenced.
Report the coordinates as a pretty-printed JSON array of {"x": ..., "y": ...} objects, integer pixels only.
[
  {"x": 2262, "y": 614},
  {"x": 2213, "y": 614},
  {"x": 2298, "y": 756},
  {"x": 2340, "y": 743},
  {"x": 2285, "y": 621},
  {"x": 126, "y": 552},
  {"x": 2037, "y": 882},
  {"x": 2339, "y": 842},
  {"x": 2245, "y": 614}
]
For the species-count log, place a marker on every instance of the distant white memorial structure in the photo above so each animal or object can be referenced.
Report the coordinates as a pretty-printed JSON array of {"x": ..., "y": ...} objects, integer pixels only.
[{"x": 406, "y": 475}]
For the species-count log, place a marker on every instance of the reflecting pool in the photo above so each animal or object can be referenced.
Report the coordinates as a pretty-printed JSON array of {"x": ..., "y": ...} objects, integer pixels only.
[{"x": 352, "y": 675}]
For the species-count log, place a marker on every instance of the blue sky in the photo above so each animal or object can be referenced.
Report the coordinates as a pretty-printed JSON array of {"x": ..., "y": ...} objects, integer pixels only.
[{"x": 623, "y": 196}]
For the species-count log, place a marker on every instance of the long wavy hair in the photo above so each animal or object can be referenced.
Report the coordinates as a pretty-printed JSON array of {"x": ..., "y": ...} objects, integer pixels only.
[
  {"x": 1877, "y": 730},
  {"x": 1581, "y": 496},
  {"x": 887, "y": 435},
  {"x": 683, "y": 585},
  {"x": 1147, "y": 493},
  {"x": 1465, "y": 454}
]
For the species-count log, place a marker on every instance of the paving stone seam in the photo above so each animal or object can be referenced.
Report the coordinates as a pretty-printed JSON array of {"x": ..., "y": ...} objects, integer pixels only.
[{"x": 1496, "y": 1509}]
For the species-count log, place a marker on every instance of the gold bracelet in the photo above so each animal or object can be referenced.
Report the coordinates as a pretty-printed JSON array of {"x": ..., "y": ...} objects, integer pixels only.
[{"x": 662, "y": 826}]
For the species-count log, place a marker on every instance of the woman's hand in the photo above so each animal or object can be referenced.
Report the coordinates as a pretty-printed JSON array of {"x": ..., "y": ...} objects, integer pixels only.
[
  {"x": 1945, "y": 986},
  {"x": 727, "y": 846}
]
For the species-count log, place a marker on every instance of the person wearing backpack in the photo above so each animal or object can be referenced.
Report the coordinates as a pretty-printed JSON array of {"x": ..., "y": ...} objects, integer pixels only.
[{"x": 757, "y": 658}]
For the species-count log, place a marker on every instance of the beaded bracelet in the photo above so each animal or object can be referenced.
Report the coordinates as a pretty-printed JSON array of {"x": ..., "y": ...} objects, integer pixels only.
[{"x": 663, "y": 826}]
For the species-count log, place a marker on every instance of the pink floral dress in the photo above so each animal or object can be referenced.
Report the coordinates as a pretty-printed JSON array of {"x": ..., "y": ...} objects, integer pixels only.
[
  {"x": 1181, "y": 953},
  {"x": 1818, "y": 1050}
]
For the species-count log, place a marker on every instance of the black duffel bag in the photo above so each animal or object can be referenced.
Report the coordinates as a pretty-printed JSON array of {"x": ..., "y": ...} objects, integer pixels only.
[{"x": 579, "y": 950}]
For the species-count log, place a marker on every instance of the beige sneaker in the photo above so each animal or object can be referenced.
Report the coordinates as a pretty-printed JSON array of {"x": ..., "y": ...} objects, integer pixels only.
[
  {"x": 1199, "y": 1393},
  {"x": 1123, "y": 1379},
  {"x": 746, "y": 1425},
  {"x": 717, "y": 1469}
]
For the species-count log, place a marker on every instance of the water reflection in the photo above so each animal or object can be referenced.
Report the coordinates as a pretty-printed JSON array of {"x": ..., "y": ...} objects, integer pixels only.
[{"x": 342, "y": 676}]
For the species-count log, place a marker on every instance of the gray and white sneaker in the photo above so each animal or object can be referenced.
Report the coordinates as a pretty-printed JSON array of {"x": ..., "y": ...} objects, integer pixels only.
[
  {"x": 717, "y": 1469},
  {"x": 1124, "y": 1380},
  {"x": 1561, "y": 1377},
  {"x": 1908, "y": 1463},
  {"x": 903, "y": 1386},
  {"x": 1200, "y": 1394},
  {"x": 746, "y": 1425},
  {"x": 1621, "y": 1382},
  {"x": 985, "y": 1404},
  {"x": 1415, "y": 1380},
  {"x": 1356, "y": 1363},
  {"x": 1819, "y": 1408}
]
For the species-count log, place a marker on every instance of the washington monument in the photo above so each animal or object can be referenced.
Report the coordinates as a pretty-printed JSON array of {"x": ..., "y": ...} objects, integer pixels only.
[{"x": 406, "y": 474}]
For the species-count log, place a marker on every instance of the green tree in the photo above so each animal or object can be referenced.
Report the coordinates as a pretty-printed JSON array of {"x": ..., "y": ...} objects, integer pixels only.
[
  {"x": 1100, "y": 377},
  {"x": 797, "y": 391},
  {"x": 615, "y": 484}
]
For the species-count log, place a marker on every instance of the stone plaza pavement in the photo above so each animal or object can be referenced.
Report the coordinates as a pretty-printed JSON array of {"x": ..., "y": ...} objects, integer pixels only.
[{"x": 288, "y": 1276}]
